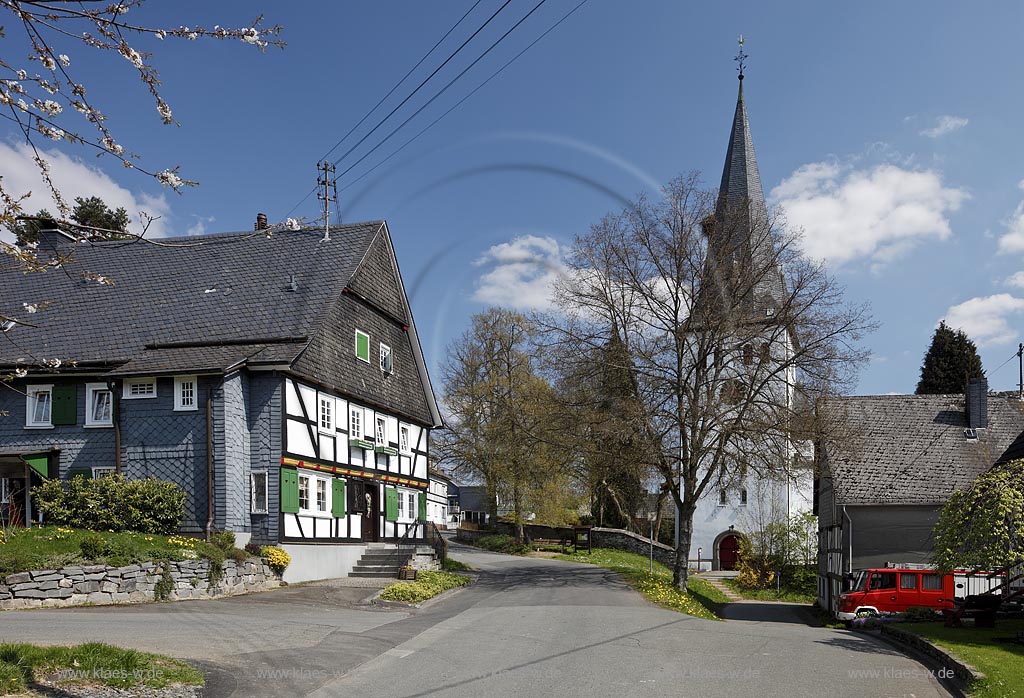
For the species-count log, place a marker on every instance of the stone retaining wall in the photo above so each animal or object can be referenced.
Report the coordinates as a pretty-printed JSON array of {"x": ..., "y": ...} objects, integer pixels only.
[
  {"x": 632, "y": 543},
  {"x": 964, "y": 671},
  {"x": 101, "y": 585}
]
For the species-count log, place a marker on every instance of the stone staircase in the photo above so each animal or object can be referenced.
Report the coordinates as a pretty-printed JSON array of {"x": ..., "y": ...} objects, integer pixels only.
[{"x": 381, "y": 560}]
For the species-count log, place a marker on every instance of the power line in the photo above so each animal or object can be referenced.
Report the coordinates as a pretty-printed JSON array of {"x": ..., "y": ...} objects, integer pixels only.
[
  {"x": 470, "y": 94},
  {"x": 439, "y": 93},
  {"x": 411, "y": 94}
]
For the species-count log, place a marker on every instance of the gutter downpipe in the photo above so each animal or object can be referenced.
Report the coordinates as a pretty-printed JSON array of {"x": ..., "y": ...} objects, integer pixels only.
[
  {"x": 209, "y": 462},
  {"x": 115, "y": 406},
  {"x": 849, "y": 560}
]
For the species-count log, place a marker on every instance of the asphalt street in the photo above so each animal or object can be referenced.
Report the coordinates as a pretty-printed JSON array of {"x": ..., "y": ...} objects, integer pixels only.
[{"x": 527, "y": 627}]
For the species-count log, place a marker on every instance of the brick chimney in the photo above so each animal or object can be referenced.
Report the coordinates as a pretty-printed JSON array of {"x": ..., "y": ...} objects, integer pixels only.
[
  {"x": 261, "y": 222},
  {"x": 976, "y": 403}
]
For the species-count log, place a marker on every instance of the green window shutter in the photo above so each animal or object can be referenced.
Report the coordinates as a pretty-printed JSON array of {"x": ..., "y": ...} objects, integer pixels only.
[
  {"x": 289, "y": 491},
  {"x": 390, "y": 504},
  {"x": 423, "y": 505},
  {"x": 338, "y": 497},
  {"x": 64, "y": 406},
  {"x": 362, "y": 346}
]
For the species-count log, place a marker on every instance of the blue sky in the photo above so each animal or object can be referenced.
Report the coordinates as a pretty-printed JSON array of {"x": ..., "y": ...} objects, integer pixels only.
[{"x": 888, "y": 131}]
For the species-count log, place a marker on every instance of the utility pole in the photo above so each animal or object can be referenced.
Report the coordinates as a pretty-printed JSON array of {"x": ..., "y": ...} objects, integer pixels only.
[
  {"x": 329, "y": 194},
  {"x": 1020, "y": 366}
]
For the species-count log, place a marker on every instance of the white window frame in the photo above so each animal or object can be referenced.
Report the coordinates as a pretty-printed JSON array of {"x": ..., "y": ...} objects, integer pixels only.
[
  {"x": 180, "y": 405},
  {"x": 256, "y": 506},
  {"x": 99, "y": 471},
  {"x": 404, "y": 440},
  {"x": 326, "y": 407},
  {"x": 312, "y": 509},
  {"x": 743, "y": 497},
  {"x": 387, "y": 360},
  {"x": 364, "y": 334},
  {"x": 355, "y": 422},
  {"x": 380, "y": 432},
  {"x": 307, "y": 478},
  {"x": 91, "y": 390},
  {"x": 131, "y": 383},
  {"x": 407, "y": 505},
  {"x": 30, "y": 407}
]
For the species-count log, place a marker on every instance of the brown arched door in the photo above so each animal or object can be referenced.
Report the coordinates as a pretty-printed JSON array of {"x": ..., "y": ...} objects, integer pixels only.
[{"x": 729, "y": 552}]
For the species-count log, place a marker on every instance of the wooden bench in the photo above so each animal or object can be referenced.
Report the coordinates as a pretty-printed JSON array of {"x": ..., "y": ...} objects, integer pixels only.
[
  {"x": 981, "y": 607},
  {"x": 538, "y": 543}
]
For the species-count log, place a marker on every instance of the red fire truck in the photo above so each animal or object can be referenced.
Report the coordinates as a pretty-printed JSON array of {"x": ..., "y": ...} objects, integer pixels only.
[{"x": 895, "y": 589}]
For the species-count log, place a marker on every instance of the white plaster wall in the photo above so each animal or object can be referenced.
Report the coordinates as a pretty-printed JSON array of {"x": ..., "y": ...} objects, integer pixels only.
[{"x": 313, "y": 562}]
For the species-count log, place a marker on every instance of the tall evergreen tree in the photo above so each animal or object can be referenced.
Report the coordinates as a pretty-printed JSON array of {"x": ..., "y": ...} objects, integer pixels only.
[{"x": 951, "y": 361}]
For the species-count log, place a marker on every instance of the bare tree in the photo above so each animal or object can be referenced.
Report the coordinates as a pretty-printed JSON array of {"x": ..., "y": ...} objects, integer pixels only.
[{"x": 727, "y": 336}]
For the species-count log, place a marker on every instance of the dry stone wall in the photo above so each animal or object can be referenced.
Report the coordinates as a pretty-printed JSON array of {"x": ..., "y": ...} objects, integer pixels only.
[{"x": 102, "y": 585}]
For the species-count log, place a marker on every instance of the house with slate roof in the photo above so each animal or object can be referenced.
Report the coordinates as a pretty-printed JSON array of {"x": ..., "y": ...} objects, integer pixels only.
[
  {"x": 277, "y": 376},
  {"x": 893, "y": 463}
]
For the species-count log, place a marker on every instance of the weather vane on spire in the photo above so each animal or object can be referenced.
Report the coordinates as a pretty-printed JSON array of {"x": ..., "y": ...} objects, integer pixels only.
[{"x": 741, "y": 57}]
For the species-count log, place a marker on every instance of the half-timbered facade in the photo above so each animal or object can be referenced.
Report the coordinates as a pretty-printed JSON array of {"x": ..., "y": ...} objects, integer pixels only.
[{"x": 277, "y": 376}]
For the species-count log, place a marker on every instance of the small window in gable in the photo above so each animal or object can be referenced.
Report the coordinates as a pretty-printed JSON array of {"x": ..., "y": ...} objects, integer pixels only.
[
  {"x": 39, "y": 400},
  {"x": 385, "y": 359},
  {"x": 362, "y": 346},
  {"x": 185, "y": 393},
  {"x": 355, "y": 423},
  {"x": 99, "y": 405},
  {"x": 403, "y": 439},
  {"x": 135, "y": 388},
  {"x": 743, "y": 497},
  {"x": 381, "y": 434},
  {"x": 326, "y": 419}
]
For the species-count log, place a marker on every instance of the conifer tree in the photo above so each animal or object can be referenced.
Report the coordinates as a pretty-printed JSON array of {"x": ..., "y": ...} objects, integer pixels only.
[{"x": 951, "y": 361}]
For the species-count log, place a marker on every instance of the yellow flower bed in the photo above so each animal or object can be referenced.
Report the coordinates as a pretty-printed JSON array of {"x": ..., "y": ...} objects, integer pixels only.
[{"x": 277, "y": 558}]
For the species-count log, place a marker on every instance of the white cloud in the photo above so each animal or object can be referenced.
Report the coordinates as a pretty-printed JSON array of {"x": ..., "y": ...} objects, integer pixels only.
[
  {"x": 1016, "y": 280},
  {"x": 521, "y": 273},
  {"x": 1013, "y": 239},
  {"x": 199, "y": 227},
  {"x": 73, "y": 177},
  {"x": 877, "y": 214},
  {"x": 945, "y": 124},
  {"x": 986, "y": 319}
]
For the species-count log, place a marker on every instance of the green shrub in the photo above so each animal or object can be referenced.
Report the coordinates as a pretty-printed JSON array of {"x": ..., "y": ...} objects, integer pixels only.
[
  {"x": 165, "y": 585},
  {"x": 92, "y": 546},
  {"x": 112, "y": 503},
  {"x": 427, "y": 585},
  {"x": 225, "y": 540},
  {"x": 920, "y": 613},
  {"x": 215, "y": 556},
  {"x": 501, "y": 543}
]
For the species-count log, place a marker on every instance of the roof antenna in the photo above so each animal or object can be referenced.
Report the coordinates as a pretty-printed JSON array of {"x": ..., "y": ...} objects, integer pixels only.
[
  {"x": 329, "y": 194},
  {"x": 741, "y": 57}
]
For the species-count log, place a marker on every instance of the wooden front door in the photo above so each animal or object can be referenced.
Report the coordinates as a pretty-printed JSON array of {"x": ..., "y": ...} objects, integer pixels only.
[
  {"x": 371, "y": 520},
  {"x": 729, "y": 552}
]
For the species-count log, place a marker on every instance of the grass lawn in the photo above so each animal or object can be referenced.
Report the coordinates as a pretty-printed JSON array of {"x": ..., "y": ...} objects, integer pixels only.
[
  {"x": 51, "y": 547},
  {"x": 28, "y": 667},
  {"x": 1001, "y": 662},
  {"x": 427, "y": 585},
  {"x": 453, "y": 565},
  {"x": 791, "y": 595},
  {"x": 702, "y": 599}
]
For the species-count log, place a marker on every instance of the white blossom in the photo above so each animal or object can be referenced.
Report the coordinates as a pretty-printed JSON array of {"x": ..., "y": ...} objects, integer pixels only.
[
  {"x": 53, "y": 133},
  {"x": 50, "y": 107},
  {"x": 64, "y": 60},
  {"x": 47, "y": 61},
  {"x": 22, "y": 75},
  {"x": 22, "y": 105},
  {"x": 111, "y": 146},
  {"x": 30, "y": 307},
  {"x": 169, "y": 179},
  {"x": 52, "y": 363},
  {"x": 291, "y": 224},
  {"x": 165, "y": 111},
  {"x": 21, "y": 372},
  {"x": 251, "y": 36},
  {"x": 132, "y": 55},
  {"x": 160, "y": 34}
]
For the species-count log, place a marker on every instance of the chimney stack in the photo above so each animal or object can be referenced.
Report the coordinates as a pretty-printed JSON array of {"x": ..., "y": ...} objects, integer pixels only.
[
  {"x": 976, "y": 403},
  {"x": 261, "y": 222}
]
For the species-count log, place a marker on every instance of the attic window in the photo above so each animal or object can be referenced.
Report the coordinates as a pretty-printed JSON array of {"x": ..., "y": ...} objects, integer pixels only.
[
  {"x": 135, "y": 388},
  {"x": 386, "y": 365},
  {"x": 362, "y": 346}
]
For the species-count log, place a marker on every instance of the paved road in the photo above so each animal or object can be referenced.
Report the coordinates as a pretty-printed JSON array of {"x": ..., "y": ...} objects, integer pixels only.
[{"x": 527, "y": 628}]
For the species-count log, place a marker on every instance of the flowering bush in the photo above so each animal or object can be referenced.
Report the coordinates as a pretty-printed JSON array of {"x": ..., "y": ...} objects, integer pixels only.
[{"x": 276, "y": 557}]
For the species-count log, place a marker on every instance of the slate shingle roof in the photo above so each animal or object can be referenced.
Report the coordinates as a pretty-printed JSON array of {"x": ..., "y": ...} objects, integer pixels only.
[
  {"x": 205, "y": 303},
  {"x": 911, "y": 449}
]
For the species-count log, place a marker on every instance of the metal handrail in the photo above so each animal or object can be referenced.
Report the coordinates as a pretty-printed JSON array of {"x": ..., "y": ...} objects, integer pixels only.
[{"x": 436, "y": 541}]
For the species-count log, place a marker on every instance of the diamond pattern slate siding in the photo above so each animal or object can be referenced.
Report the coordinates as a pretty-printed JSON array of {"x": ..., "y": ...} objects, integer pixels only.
[{"x": 265, "y": 447}]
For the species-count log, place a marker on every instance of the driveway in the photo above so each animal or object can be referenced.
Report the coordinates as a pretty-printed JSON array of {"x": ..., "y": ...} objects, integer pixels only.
[{"x": 527, "y": 628}]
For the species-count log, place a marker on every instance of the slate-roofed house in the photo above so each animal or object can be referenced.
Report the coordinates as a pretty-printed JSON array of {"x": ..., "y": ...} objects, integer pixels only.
[
  {"x": 295, "y": 357},
  {"x": 895, "y": 463}
]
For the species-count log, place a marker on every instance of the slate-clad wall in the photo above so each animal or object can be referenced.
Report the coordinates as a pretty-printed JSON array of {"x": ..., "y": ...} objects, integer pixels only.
[
  {"x": 892, "y": 534},
  {"x": 158, "y": 442},
  {"x": 231, "y": 482},
  {"x": 79, "y": 447},
  {"x": 265, "y": 419}
]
